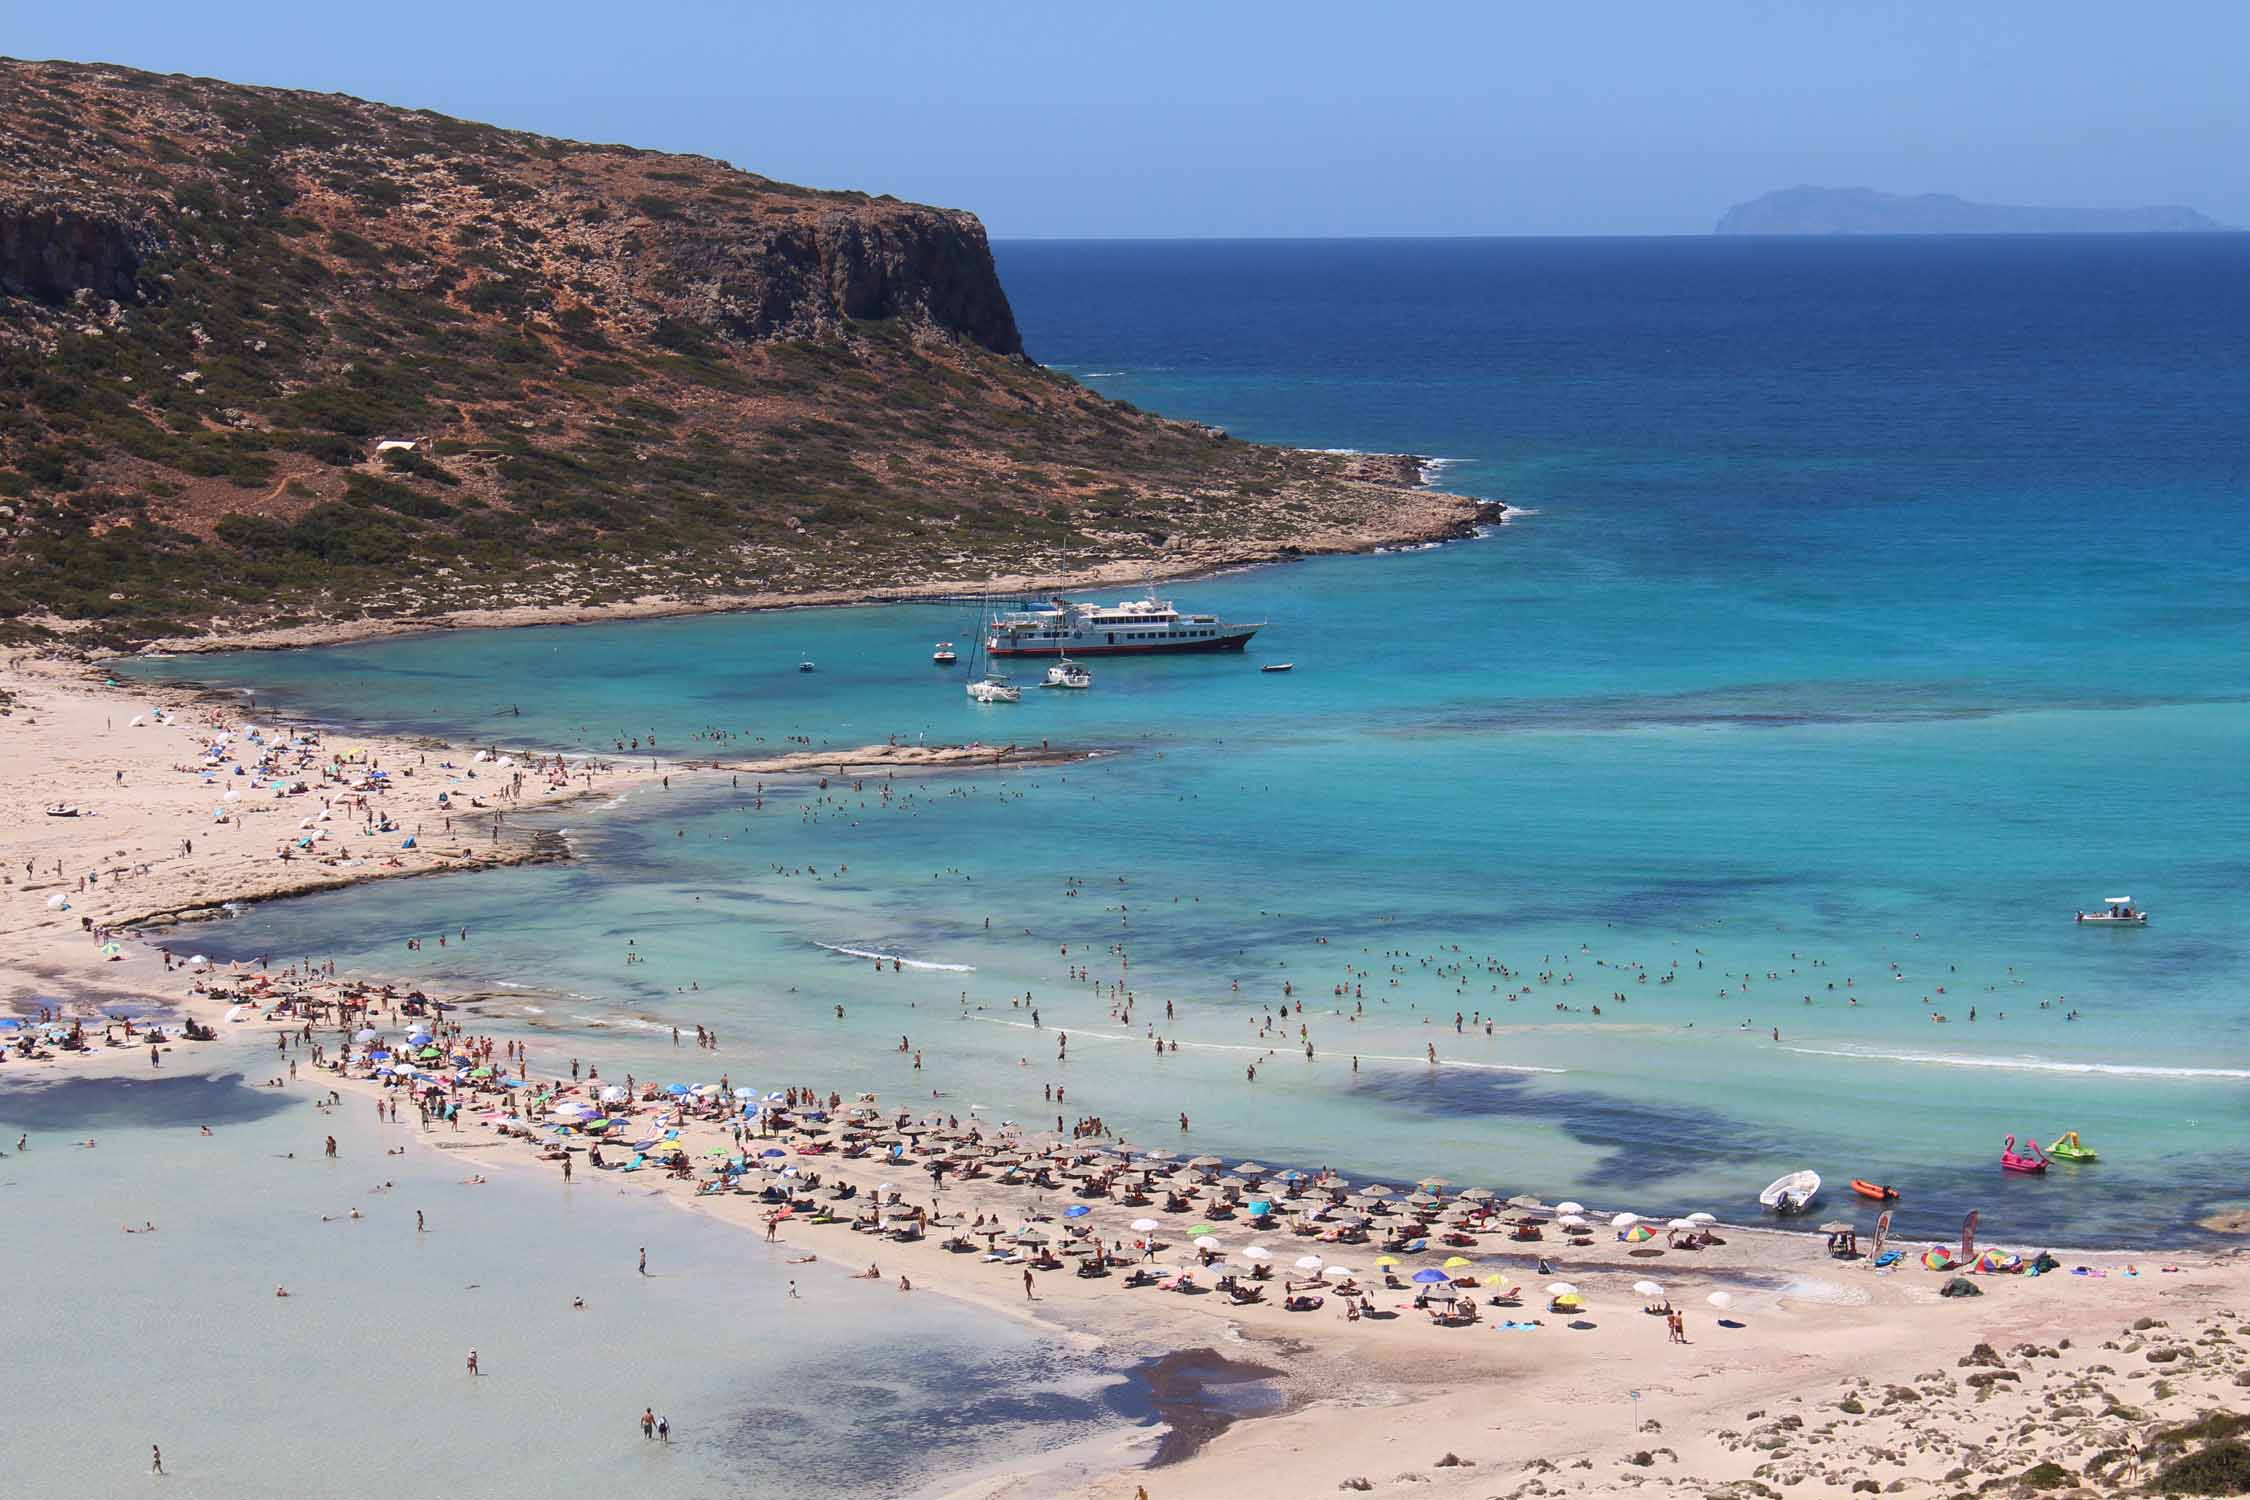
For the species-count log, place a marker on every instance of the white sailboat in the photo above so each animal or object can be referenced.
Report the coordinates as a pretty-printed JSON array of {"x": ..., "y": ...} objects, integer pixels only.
[{"x": 990, "y": 686}]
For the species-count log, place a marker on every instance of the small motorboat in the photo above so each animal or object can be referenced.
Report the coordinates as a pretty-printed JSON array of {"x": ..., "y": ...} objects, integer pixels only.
[
  {"x": 1792, "y": 1194},
  {"x": 2070, "y": 1148},
  {"x": 1876, "y": 1190},
  {"x": 2116, "y": 911},
  {"x": 994, "y": 688},
  {"x": 944, "y": 655},
  {"x": 2030, "y": 1160},
  {"x": 1279, "y": 666},
  {"x": 1067, "y": 674},
  {"x": 805, "y": 666},
  {"x": 62, "y": 810}
]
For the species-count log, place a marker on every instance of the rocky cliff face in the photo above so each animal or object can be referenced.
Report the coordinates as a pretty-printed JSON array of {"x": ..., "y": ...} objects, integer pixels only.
[
  {"x": 101, "y": 168},
  {"x": 602, "y": 373},
  {"x": 54, "y": 253}
]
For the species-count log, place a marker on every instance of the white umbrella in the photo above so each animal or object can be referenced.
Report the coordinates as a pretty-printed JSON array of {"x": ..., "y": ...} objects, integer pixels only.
[
  {"x": 1570, "y": 1208},
  {"x": 1624, "y": 1221},
  {"x": 1143, "y": 1226},
  {"x": 1721, "y": 1300},
  {"x": 1209, "y": 1242},
  {"x": 1571, "y": 1221},
  {"x": 1308, "y": 1262},
  {"x": 1561, "y": 1289},
  {"x": 1681, "y": 1224},
  {"x": 1647, "y": 1289},
  {"x": 1257, "y": 1252},
  {"x": 1338, "y": 1273},
  {"x": 364, "y": 1034},
  {"x": 57, "y": 902},
  {"x": 1700, "y": 1218}
]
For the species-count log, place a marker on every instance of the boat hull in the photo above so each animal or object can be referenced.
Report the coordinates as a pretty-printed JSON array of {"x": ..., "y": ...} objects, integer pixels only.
[
  {"x": 1875, "y": 1190},
  {"x": 1094, "y": 646}
]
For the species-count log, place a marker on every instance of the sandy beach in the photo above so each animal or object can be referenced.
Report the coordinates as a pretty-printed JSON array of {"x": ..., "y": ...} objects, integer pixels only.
[{"x": 1818, "y": 1374}]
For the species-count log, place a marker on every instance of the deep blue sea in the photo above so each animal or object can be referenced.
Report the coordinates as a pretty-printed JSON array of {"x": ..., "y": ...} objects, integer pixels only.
[{"x": 1871, "y": 606}]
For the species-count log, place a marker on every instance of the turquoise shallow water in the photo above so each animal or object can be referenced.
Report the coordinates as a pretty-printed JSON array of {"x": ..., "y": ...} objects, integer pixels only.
[
  {"x": 1877, "y": 605},
  {"x": 355, "y": 1382}
]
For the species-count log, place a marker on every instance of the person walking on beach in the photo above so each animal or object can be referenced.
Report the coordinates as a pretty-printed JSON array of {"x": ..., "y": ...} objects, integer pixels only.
[
  {"x": 664, "y": 1429},
  {"x": 648, "y": 1423},
  {"x": 644, "y": 1260},
  {"x": 473, "y": 1362},
  {"x": 1027, "y": 1285},
  {"x": 155, "y": 1459}
]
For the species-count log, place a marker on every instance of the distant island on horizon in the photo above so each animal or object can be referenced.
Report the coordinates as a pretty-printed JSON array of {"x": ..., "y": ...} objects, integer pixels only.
[{"x": 1820, "y": 210}]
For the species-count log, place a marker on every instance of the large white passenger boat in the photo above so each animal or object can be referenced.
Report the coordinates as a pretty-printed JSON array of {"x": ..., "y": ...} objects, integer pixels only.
[{"x": 1135, "y": 627}]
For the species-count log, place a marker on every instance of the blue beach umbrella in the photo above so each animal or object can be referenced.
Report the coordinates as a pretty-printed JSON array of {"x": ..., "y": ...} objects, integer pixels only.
[
  {"x": 1076, "y": 1211},
  {"x": 1429, "y": 1276}
]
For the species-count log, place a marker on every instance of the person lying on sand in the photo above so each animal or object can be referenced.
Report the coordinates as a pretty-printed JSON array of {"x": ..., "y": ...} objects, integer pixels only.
[{"x": 872, "y": 1273}]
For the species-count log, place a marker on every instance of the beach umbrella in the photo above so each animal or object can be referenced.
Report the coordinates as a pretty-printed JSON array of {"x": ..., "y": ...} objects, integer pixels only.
[
  {"x": 1257, "y": 1252},
  {"x": 1561, "y": 1289},
  {"x": 1195, "y": 1230},
  {"x": 1571, "y": 1221},
  {"x": 1680, "y": 1224},
  {"x": 1454, "y": 1262},
  {"x": 1624, "y": 1221},
  {"x": 1647, "y": 1289},
  {"x": 1377, "y": 1193},
  {"x": 1430, "y": 1276},
  {"x": 1938, "y": 1258},
  {"x": 1525, "y": 1201},
  {"x": 1251, "y": 1169},
  {"x": 1337, "y": 1273},
  {"x": 1639, "y": 1233},
  {"x": 1308, "y": 1262},
  {"x": 112, "y": 950},
  {"x": 1721, "y": 1300},
  {"x": 1210, "y": 1243},
  {"x": 1567, "y": 1207},
  {"x": 1386, "y": 1261},
  {"x": 1495, "y": 1279},
  {"x": 1143, "y": 1226},
  {"x": 1477, "y": 1195},
  {"x": 1702, "y": 1218},
  {"x": 1260, "y": 1207},
  {"x": 1838, "y": 1226}
]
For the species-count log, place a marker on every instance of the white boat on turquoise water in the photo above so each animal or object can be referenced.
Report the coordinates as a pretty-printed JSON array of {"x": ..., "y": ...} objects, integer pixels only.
[
  {"x": 2118, "y": 911},
  {"x": 1792, "y": 1194},
  {"x": 1068, "y": 674},
  {"x": 993, "y": 687},
  {"x": 1137, "y": 627},
  {"x": 944, "y": 655}
]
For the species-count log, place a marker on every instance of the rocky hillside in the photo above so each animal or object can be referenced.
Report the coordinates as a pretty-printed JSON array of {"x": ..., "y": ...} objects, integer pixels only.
[{"x": 270, "y": 358}]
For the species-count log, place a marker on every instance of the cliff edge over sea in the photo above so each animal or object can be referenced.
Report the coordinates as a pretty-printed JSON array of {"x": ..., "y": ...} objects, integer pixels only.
[
  {"x": 1822, "y": 210},
  {"x": 273, "y": 360}
]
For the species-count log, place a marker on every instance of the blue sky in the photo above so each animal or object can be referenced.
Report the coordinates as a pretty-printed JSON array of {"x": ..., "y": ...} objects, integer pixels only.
[{"x": 1160, "y": 118}]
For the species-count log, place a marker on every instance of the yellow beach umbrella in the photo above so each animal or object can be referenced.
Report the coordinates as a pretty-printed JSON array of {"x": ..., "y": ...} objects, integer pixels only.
[
  {"x": 1455, "y": 1262},
  {"x": 1386, "y": 1260}
]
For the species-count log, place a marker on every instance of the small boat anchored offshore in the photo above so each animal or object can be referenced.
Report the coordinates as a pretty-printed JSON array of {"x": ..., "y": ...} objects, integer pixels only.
[
  {"x": 1068, "y": 674},
  {"x": 1880, "y": 1192},
  {"x": 1792, "y": 1194},
  {"x": 1279, "y": 666},
  {"x": 944, "y": 655},
  {"x": 805, "y": 666},
  {"x": 2119, "y": 910},
  {"x": 2068, "y": 1148},
  {"x": 994, "y": 688}
]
